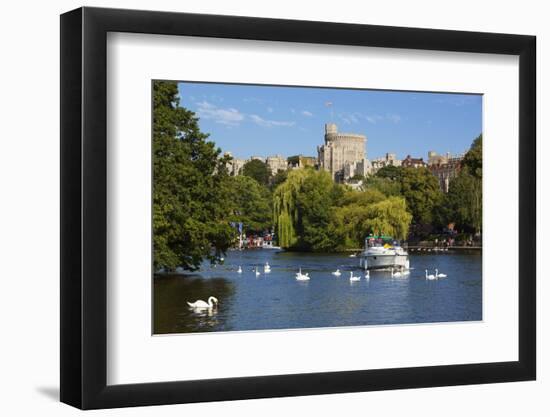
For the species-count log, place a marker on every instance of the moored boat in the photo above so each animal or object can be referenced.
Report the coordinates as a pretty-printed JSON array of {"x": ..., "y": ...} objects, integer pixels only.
[{"x": 384, "y": 252}]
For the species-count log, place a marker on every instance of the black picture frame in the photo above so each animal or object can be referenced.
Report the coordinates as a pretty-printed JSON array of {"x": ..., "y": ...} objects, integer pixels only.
[{"x": 84, "y": 207}]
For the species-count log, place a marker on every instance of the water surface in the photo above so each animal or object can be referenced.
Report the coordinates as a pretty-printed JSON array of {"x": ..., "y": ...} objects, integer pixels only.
[{"x": 277, "y": 301}]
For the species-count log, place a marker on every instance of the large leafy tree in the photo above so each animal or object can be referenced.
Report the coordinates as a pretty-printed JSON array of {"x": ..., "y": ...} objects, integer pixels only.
[
  {"x": 250, "y": 203},
  {"x": 285, "y": 209},
  {"x": 314, "y": 202},
  {"x": 391, "y": 172},
  {"x": 258, "y": 170},
  {"x": 422, "y": 193},
  {"x": 463, "y": 203},
  {"x": 189, "y": 197},
  {"x": 385, "y": 185},
  {"x": 369, "y": 212}
]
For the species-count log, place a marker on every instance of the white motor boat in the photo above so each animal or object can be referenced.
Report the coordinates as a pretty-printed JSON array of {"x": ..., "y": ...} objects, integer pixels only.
[{"x": 384, "y": 252}]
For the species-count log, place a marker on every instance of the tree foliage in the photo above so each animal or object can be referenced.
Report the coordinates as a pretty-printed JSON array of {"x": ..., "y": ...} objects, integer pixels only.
[
  {"x": 463, "y": 202},
  {"x": 313, "y": 213},
  {"x": 189, "y": 196},
  {"x": 258, "y": 170},
  {"x": 366, "y": 213},
  {"x": 250, "y": 203},
  {"x": 422, "y": 193}
]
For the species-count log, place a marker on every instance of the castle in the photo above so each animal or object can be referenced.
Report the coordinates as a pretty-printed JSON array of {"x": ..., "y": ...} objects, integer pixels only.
[{"x": 343, "y": 154}]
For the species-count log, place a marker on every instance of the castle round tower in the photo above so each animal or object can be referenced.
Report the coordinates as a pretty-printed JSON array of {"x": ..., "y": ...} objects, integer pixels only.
[{"x": 341, "y": 150}]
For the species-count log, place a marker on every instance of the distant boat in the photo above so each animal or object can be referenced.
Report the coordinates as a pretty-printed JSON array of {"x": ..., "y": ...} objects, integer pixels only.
[{"x": 353, "y": 255}]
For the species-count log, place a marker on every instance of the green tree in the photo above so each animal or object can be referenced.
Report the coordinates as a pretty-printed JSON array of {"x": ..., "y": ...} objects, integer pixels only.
[
  {"x": 369, "y": 214},
  {"x": 391, "y": 172},
  {"x": 314, "y": 203},
  {"x": 463, "y": 202},
  {"x": 422, "y": 193},
  {"x": 386, "y": 186},
  {"x": 250, "y": 203},
  {"x": 189, "y": 196},
  {"x": 473, "y": 160},
  {"x": 258, "y": 170},
  {"x": 278, "y": 178},
  {"x": 285, "y": 210}
]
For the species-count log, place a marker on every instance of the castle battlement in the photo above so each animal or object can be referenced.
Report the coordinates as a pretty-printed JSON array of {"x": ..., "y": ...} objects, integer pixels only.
[{"x": 342, "y": 152}]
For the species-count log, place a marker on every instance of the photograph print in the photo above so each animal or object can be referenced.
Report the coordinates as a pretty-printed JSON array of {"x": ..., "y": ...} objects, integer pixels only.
[{"x": 286, "y": 207}]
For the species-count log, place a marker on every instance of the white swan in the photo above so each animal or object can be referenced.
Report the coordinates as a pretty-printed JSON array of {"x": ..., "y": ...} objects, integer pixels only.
[
  {"x": 395, "y": 274},
  {"x": 431, "y": 276},
  {"x": 354, "y": 278},
  {"x": 438, "y": 275},
  {"x": 353, "y": 255},
  {"x": 203, "y": 304},
  {"x": 302, "y": 277},
  {"x": 367, "y": 275},
  {"x": 257, "y": 272},
  {"x": 240, "y": 270},
  {"x": 337, "y": 273},
  {"x": 267, "y": 268}
]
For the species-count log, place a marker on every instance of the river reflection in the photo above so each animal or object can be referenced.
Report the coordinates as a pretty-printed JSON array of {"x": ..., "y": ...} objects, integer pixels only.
[{"x": 276, "y": 300}]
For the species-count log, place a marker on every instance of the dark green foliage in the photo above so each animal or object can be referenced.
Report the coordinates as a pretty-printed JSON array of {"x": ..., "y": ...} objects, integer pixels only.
[
  {"x": 278, "y": 178},
  {"x": 390, "y": 172},
  {"x": 422, "y": 192},
  {"x": 463, "y": 203},
  {"x": 189, "y": 196},
  {"x": 258, "y": 170},
  {"x": 250, "y": 203},
  {"x": 314, "y": 204}
]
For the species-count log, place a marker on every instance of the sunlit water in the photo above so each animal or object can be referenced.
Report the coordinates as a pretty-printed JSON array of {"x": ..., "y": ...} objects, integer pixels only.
[{"x": 277, "y": 301}]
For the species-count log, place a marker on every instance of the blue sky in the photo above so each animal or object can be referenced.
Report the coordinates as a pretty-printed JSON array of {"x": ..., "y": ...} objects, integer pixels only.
[{"x": 264, "y": 120}]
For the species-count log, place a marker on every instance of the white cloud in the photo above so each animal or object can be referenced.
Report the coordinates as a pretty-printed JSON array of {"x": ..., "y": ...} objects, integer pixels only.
[
  {"x": 394, "y": 118},
  {"x": 375, "y": 118},
  {"x": 270, "y": 123},
  {"x": 307, "y": 113},
  {"x": 228, "y": 116}
]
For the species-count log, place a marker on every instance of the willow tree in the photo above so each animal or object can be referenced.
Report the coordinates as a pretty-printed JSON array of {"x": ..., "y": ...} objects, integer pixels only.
[
  {"x": 364, "y": 215},
  {"x": 285, "y": 210}
]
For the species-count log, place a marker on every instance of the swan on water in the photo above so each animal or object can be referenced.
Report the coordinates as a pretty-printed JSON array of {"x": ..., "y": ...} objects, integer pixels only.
[
  {"x": 257, "y": 272},
  {"x": 353, "y": 255},
  {"x": 337, "y": 273},
  {"x": 267, "y": 268},
  {"x": 240, "y": 270},
  {"x": 395, "y": 274},
  {"x": 302, "y": 277},
  {"x": 367, "y": 275},
  {"x": 212, "y": 301},
  {"x": 353, "y": 278},
  {"x": 430, "y": 276},
  {"x": 438, "y": 275}
]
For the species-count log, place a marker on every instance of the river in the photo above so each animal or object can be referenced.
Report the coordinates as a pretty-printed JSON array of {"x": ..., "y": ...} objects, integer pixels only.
[{"x": 277, "y": 301}]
